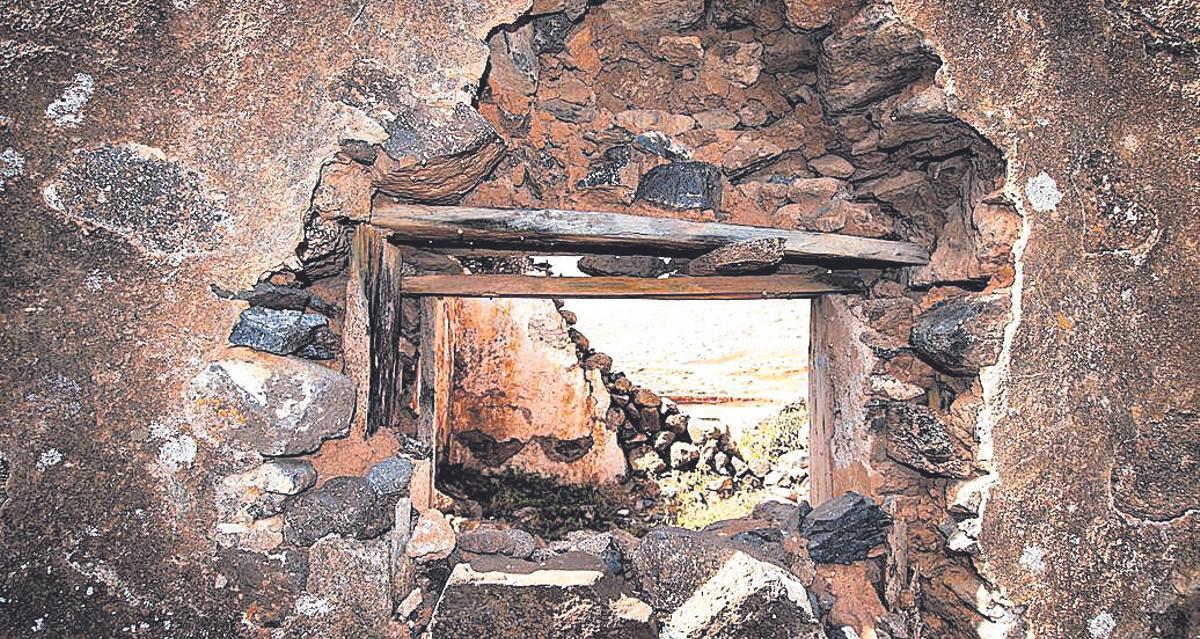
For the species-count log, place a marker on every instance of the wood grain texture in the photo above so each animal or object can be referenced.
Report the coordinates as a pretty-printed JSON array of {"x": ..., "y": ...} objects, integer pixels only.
[
  {"x": 716, "y": 288},
  {"x": 375, "y": 267},
  {"x": 599, "y": 231}
]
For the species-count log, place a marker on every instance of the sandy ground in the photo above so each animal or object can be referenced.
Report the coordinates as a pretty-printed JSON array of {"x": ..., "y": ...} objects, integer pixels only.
[{"x": 750, "y": 357}]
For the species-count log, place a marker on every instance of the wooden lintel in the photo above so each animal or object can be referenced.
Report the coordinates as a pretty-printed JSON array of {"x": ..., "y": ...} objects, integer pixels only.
[
  {"x": 599, "y": 231},
  {"x": 744, "y": 287}
]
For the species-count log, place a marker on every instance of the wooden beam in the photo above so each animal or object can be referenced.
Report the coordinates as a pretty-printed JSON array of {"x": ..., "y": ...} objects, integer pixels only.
[
  {"x": 598, "y": 231},
  {"x": 374, "y": 306},
  {"x": 745, "y": 287}
]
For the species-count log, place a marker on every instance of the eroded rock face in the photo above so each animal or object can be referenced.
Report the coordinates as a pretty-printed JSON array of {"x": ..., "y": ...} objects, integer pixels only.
[
  {"x": 746, "y": 599},
  {"x": 570, "y": 595},
  {"x": 280, "y": 406}
]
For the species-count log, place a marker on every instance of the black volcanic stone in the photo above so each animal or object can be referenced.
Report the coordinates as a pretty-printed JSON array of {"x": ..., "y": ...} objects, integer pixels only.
[
  {"x": 348, "y": 506},
  {"x": 845, "y": 529},
  {"x": 281, "y": 332},
  {"x": 682, "y": 185}
]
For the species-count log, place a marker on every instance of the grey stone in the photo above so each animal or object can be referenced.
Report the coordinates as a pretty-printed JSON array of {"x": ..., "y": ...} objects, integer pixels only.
[
  {"x": 282, "y": 406},
  {"x": 661, "y": 145},
  {"x": 492, "y": 540},
  {"x": 682, "y": 185},
  {"x": 391, "y": 476},
  {"x": 603, "y": 545},
  {"x": 746, "y": 599},
  {"x": 571, "y": 595},
  {"x": 281, "y": 332},
  {"x": 739, "y": 257},
  {"x": 622, "y": 265},
  {"x": 346, "y": 506},
  {"x": 843, "y": 530},
  {"x": 550, "y": 32}
]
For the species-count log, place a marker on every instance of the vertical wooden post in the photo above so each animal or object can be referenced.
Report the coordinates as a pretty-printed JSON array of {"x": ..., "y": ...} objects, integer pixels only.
[
  {"x": 433, "y": 394},
  {"x": 373, "y": 309},
  {"x": 820, "y": 406}
]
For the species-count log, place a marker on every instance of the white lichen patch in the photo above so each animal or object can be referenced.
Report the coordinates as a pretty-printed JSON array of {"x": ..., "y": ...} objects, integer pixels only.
[
  {"x": 67, "y": 110},
  {"x": 12, "y": 165},
  {"x": 177, "y": 452},
  {"x": 49, "y": 458},
  {"x": 1033, "y": 559},
  {"x": 309, "y": 605},
  {"x": 1102, "y": 625},
  {"x": 1042, "y": 193}
]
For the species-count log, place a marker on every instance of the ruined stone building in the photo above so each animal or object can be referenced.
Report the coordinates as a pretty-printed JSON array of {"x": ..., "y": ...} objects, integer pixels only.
[{"x": 291, "y": 352}]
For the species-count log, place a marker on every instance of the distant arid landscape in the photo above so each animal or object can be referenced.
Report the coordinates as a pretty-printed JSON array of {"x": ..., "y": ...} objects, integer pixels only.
[{"x": 739, "y": 361}]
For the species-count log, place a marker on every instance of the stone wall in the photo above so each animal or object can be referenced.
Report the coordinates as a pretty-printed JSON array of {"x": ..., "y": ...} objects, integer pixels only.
[{"x": 148, "y": 150}]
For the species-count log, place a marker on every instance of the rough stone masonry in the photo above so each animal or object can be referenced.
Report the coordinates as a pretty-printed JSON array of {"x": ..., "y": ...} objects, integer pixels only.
[{"x": 1023, "y": 411}]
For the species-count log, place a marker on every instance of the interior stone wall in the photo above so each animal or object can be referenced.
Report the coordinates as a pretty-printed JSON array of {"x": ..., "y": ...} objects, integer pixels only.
[{"x": 523, "y": 399}]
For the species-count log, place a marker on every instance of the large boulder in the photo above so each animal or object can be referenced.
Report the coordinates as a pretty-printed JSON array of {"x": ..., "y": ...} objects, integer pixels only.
[
  {"x": 348, "y": 592},
  {"x": 961, "y": 334},
  {"x": 746, "y": 599},
  {"x": 571, "y": 595},
  {"x": 347, "y": 506},
  {"x": 845, "y": 529},
  {"x": 671, "y": 563},
  {"x": 275, "y": 405}
]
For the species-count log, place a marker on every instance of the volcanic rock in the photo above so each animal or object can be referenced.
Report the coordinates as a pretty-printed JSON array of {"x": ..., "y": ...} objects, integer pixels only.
[
  {"x": 281, "y": 332},
  {"x": 961, "y": 334},
  {"x": 284, "y": 476},
  {"x": 739, "y": 257},
  {"x": 646, "y": 398},
  {"x": 347, "y": 506},
  {"x": 832, "y": 166},
  {"x": 684, "y": 455},
  {"x": 845, "y": 529},
  {"x": 391, "y": 476},
  {"x": 655, "y": 15},
  {"x": 622, "y": 265},
  {"x": 671, "y": 563},
  {"x": 871, "y": 56},
  {"x": 432, "y": 538},
  {"x": 269, "y": 295},
  {"x": 284, "y": 406},
  {"x": 682, "y": 185},
  {"x": 918, "y": 437},
  {"x": 490, "y": 539},
  {"x": 746, "y": 598},
  {"x": 646, "y": 460}
]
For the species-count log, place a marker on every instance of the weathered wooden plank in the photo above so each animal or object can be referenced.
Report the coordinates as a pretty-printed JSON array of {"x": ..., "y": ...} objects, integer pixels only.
[
  {"x": 724, "y": 288},
  {"x": 599, "y": 231},
  {"x": 375, "y": 272}
]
